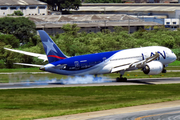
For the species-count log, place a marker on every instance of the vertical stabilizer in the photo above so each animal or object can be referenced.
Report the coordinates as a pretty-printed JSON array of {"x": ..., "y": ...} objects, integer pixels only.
[{"x": 52, "y": 51}]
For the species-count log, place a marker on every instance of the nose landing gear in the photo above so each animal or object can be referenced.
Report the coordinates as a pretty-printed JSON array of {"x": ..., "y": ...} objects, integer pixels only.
[{"x": 164, "y": 71}]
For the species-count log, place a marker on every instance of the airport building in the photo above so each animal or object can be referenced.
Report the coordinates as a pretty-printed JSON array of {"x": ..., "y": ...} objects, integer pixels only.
[
  {"x": 172, "y": 23},
  {"x": 28, "y": 7},
  {"x": 96, "y": 17},
  {"x": 164, "y": 10},
  {"x": 52, "y": 24}
]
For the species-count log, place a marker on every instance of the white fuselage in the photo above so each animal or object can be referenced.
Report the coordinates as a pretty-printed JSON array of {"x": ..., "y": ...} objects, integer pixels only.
[{"x": 118, "y": 60}]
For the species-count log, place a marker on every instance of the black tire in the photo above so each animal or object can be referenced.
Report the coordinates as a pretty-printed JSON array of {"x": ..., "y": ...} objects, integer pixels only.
[
  {"x": 121, "y": 79},
  {"x": 164, "y": 71},
  {"x": 117, "y": 79},
  {"x": 124, "y": 79}
]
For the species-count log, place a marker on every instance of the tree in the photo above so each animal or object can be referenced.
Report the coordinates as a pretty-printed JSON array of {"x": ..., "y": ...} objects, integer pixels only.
[
  {"x": 103, "y": 1},
  {"x": 63, "y": 4},
  {"x": 9, "y": 40},
  {"x": 71, "y": 29},
  {"x": 16, "y": 13},
  {"x": 21, "y": 27}
]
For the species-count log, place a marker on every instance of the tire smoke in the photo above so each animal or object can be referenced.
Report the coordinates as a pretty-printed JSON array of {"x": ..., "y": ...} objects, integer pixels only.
[{"x": 33, "y": 80}]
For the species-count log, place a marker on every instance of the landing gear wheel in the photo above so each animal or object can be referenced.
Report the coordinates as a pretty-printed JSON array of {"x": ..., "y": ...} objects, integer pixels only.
[
  {"x": 164, "y": 71},
  {"x": 121, "y": 79},
  {"x": 96, "y": 78}
]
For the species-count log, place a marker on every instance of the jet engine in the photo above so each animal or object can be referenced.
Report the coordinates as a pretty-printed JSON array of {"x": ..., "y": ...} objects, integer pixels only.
[{"x": 153, "y": 68}]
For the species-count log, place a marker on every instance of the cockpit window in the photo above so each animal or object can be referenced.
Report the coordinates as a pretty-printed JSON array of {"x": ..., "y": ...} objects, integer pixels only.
[{"x": 172, "y": 51}]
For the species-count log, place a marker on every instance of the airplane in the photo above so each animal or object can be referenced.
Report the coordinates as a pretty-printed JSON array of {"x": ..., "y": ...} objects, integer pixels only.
[{"x": 152, "y": 60}]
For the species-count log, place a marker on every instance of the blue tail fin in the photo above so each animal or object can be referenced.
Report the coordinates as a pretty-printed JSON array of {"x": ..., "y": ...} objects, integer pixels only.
[{"x": 52, "y": 51}]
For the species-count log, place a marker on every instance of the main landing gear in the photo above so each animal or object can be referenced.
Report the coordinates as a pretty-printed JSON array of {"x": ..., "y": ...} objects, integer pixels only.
[
  {"x": 121, "y": 79},
  {"x": 96, "y": 78}
]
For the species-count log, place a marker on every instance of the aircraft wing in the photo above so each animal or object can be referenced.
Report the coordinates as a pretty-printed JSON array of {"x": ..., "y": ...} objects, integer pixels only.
[
  {"x": 138, "y": 64},
  {"x": 39, "y": 56}
]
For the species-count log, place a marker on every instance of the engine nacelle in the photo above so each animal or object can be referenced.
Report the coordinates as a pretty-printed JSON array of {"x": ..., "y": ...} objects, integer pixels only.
[{"x": 153, "y": 68}]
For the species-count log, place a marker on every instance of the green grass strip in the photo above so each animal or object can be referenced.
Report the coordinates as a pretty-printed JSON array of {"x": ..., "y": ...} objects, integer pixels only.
[
  {"x": 175, "y": 63},
  {"x": 27, "y": 104},
  {"x": 21, "y": 70}
]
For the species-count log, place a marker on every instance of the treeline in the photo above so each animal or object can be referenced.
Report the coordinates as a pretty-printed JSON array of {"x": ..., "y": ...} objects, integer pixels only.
[
  {"x": 16, "y": 32},
  {"x": 73, "y": 43},
  {"x": 60, "y": 5}
]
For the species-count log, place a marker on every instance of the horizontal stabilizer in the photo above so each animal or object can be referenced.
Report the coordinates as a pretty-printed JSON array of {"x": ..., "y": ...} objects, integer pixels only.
[
  {"x": 39, "y": 56},
  {"x": 32, "y": 65}
]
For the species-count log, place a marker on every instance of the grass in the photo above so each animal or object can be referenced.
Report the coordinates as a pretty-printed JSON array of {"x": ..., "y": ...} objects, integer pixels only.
[
  {"x": 27, "y": 104},
  {"x": 175, "y": 63},
  {"x": 21, "y": 70}
]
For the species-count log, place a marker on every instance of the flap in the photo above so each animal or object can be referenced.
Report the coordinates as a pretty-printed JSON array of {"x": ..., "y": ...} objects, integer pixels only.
[{"x": 120, "y": 68}]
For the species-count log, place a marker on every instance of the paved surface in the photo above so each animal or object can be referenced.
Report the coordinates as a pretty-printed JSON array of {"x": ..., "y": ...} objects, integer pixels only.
[
  {"x": 157, "y": 114},
  {"x": 158, "y": 111},
  {"x": 148, "y": 81}
]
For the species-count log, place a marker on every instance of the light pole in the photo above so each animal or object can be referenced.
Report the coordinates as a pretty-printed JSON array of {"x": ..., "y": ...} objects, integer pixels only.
[
  {"x": 128, "y": 25},
  {"x": 179, "y": 21},
  {"x": 104, "y": 10},
  {"x": 105, "y": 22}
]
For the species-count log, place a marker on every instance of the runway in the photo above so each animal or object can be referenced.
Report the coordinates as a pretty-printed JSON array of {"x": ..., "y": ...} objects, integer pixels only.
[
  {"x": 157, "y": 111},
  {"x": 157, "y": 114},
  {"x": 148, "y": 81}
]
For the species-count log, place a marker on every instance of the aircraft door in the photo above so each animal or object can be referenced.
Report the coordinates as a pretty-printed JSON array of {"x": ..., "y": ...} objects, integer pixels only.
[{"x": 76, "y": 64}]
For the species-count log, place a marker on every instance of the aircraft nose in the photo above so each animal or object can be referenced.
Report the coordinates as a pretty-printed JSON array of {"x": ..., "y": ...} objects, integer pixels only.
[{"x": 173, "y": 57}]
